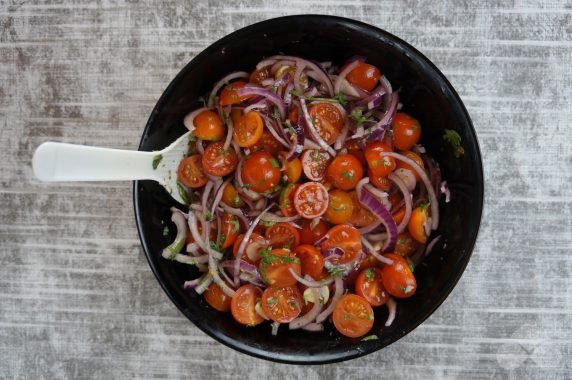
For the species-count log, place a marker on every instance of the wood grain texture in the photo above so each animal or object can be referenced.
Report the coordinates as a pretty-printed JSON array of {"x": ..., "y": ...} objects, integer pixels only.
[{"x": 77, "y": 298}]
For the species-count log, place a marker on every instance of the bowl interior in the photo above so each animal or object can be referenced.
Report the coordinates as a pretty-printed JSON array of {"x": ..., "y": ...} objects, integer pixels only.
[{"x": 425, "y": 94}]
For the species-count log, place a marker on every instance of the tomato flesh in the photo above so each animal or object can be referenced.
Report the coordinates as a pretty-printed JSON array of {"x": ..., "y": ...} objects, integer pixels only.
[
  {"x": 218, "y": 161},
  {"x": 353, "y": 316},
  {"x": 311, "y": 200},
  {"x": 328, "y": 121},
  {"x": 275, "y": 267},
  {"x": 243, "y": 305},
  {"x": 369, "y": 285},
  {"x": 314, "y": 164},
  {"x": 248, "y": 129},
  {"x": 282, "y": 304},
  {"x": 191, "y": 172},
  {"x": 346, "y": 238}
]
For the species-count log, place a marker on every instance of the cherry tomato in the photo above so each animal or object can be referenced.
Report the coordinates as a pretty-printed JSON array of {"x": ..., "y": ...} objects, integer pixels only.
[
  {"x": 261, "y": 172},
  {"x": 405, "y": 244},
  {"x": 218, "y": 161},
  {"x": 344, "y": 172},
  {"x": 311, "y": 260},
  {"x": 314, "y": 164},
  {"x": 259, "y": 75},
  {"x": 212, "y": 236},
  {"x": 413, "y": 156},
  {"x": 267, "y": 143},
  {"x": 364, "y": 76},
  {"x": 191, "y": 173},
  {"x": 379, "y": 165},
  {"x": 231, "y": 197},
  {"x": 282, "y": 235},
  {"x": 328, "y": 121},
  {"x": 397, "y": 278},
  {"x": 229, "y": 96},
  {"x": 416, "y": 225},
  {"x": 312, "y": 231},
  {"x": 367, "y": 262},
  {"x": 216, "y": 298},
  {"x": 286, "y": 204},
  {"x": 282, "y": 305},
  {"x": 398, "y": 215},
  {"x": 275, "y": 267},
  {"x": 243, "y": 305},
  {"x": 230, "y": 229},
  {"x": 208, "y": 126},
  {"x": 294, "y": 113},
  {"x": 353, "y": 316},
  {"x": 345, "y": 237},
  {"x": 382, "y": 183},
  {"x": 406, "y": 131},
  {"x": 255, "y": 245},
  {"x": 361, "y": 216},
  {"x": 292, "y": 167},
  {"x": 340, "y": 207},
  {"x": 248, "y": 129},
  {"x": 311, "y": 200},
  {"x": 354, "y": 148},
  {"x": 369, "y": 286}
]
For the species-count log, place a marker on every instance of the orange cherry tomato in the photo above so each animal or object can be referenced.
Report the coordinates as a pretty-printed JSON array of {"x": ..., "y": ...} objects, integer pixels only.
[
  {"x": 364, "y": 76},
  {"x": 248, "y": 129},
  {"x": 311, "y": 200},
  {"x": 292, "y": 167},
  {"x": 361, "y": 216},
  {"x": 261, "y": 172},
  {"x": 405, "y": 244},
  {"x": 369, "y": 286},
  {"x": 328, "y": 121},
  {"x": 267, "y": 143},
  {"x": 275, "y": 267},
  {"x": 243, "y": 305},
  {"x": 286, "y": 200},
  {"x": 259, "y": 75},
  {"x": 312, "y": 231},
  {"x": 282, "y": 304},
  {"x": 208, "y": 126},
  {"x": 218, "y": 161},
  {"x": 282, "y": 235},
  {"x": 191, "y": 172},
  {"x": 229, "y": 96},
  {"x": 406, "y": 131},
  {"x": 216, "y": 298},
  {"x": 379, "y": 165},
  {"x": 345, "y": 237},
  {"x": 314, "y": 164},
  {"x": 340, "y": 207},
  {"x": 413, "y": 156},
  {"x": 417, "y": 222},
  {"x": 397, "y": 278},
  {"x": 353, "y": 316},
  {"x": 311, "y": 260},
  {"x": 344, "y": 172},
  {"x": 230, "y": 229},
  {"x": 231, "y": 197},
  {"x": 255, "y": 245}
]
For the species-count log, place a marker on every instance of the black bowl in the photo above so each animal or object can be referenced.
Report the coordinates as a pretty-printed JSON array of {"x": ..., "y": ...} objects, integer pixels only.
[{"x": 425, "y": 93}]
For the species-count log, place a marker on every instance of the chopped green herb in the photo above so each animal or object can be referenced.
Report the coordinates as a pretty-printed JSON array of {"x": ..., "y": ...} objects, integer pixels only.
[
  {"x": 359, "y": 117},
  {"x": 369, "y": 273},
  {"x": 215, "y": 246},
  {"x": 411, "y": 267},
  {"x": 267, "y": 223},
  {"x": 370, "y": 337},
  {"x": 271, "y": 301},
  {"x": 225, "y": 152},
  {"x": 157, "y": 160},
  {"x": 276, "y": 114},
  {"x": 183, "y": 194},
  {"x": 235, "y": 225},
  {"x": 333, "y": 207},
  {"x": 348, "y": 175},
  {"x": 453, "y": 138},
  {"x": 166, "y": 231},
  {"x": 192, "y": 138},
  {"x": 336, "y": 271},
  {"x": 274, "y": 162},
  {"x": 203, "y": 99},
  {"x": 208, "y": 216},
  {"x": 339, "y": 98},
  {"x": 404, "y": 290}
]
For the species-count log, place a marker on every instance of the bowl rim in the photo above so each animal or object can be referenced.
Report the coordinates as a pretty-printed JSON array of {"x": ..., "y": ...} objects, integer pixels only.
[{"x": 322, "y": 358}]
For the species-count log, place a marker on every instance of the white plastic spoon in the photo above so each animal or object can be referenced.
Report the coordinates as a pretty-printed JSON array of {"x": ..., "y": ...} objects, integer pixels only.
[{"x": 61, "y": 162}]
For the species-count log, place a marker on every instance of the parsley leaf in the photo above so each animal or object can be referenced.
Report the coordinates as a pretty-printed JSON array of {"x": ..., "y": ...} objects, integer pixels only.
[
  {"x": 274, "y": 162},
  {"x": 370, "y": 337},
  {"x": 235, "y": 225},
  {"x": 208, "y": 216},
  {"x": 359, "y": 117},
  {"x": 348, "y": 175},
  {"x": 166, "y": 231},
  {"x": 369, "y": 273},
  {"x": 157, "y": 160},
  {"x": 453, "y": 138},
  {"x": 183, "y": 194},
  {"x": 215, "y": 246},
  {"x": 336, "y": 271}
]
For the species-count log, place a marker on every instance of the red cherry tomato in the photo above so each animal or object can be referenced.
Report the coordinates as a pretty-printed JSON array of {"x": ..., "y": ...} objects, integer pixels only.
[
  {"x": 345, "y": 237},
  {"x": 258, "y": 75},
  {"x": 405, "y": 244},
  {"x": 208, "y": 126},
  {"x": 230, "y": 229},
  {"x": 328, "y": 121},
  {"x": 364, "y": 76},
  {"x": 261, "y": 172},
  {"x": 275, "y": 267},
  {"x": 292, "y": 167},
  {"x": 218, "y": 161},
  {"x": 406, "y": 131},
  {"x": 353, "y": 316},
  {"x": 379, "y": 165},
  {"x": 413, "y": 156},
  {"x": 243, "y": 305},
  {"x": 369, "y": 285},
  {"x": 252, "y": 250},
  {"x": 314, "y": 164},
  {"x": 191, "y": 173},
  {"x": 216, "y": 298},
  {"x": 282, "y": 304},
  {"x": 229, "y": 96},
  {"x": 312, "y": 231},
  {"x": 282, "y": 235},
  {"x": 311, "y": 260},
  {"x": 248, "y": 129},
  {"x": 311, "y": 200},
  {"x": 344, "y": 172},
  {"x": 286, "y": 200},
  {"x": 267, "y": 143},
  {"x": 397, "y": 278},
  {"x": 361, "y": 216}
]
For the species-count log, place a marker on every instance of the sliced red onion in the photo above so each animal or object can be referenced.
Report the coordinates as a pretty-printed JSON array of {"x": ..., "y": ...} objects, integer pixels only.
[
  {"x": 381, "y": 195},
  {"x": 199, "y": 146},
  {"x": 321, "y": 240},
  {"x": 225, "y": 276},
  {"x": 203, "y": 285},
  {"x": 267, "y": 82},
  {"x": 272, "y": 129},
  {"x": 432, "y": 197},
  {"x": 271, "y": 96},
  {"x": 341, "y": 139},
  {"x": 206, "y": 237},
  {"x": 313, "y": 130},
  {"x": 342, "y": 75},
  {"x": 432, "y": 244},
  {"x": 332, "y": 253},
  {"x": 193, "y": 283},
  {"x": 236, "y": 212},
  {"x": 245, "y": 266},
  {"x": 445, "y": 190},
  {"x": 310, "y": 283},
  {"x": 407, "y": 177},
  {"x": 177, "y": 245},
  {"x": 374, "y": 100},
  {"x": 260, "y": 106},
  {"x": 224, "y": 81},
  {"x": 214, "y": 272},
  {"x": 406, "y": 197},
  {"x": 188, "y": 121},
  {"x": 297, "y": 139},
  {"x": 247, "y": 277},
  {"x": 230, "y": 130},
  {"x": 298, "y": 76},
  {"x": 369, "y": 247},
  {"x": 193, "y": 248},
  {"x": 269, "y": 217},
  {"x": 266, "y": 62},
  {"x": 309, "y": 316},
  {"x": 281, "y": 63},
  {"x": 377, "y": 208},
  {"x": 288, "y": 94},
  {"x": 378, "y": 130},
  {"x": 392, "y": 308},
  {"x": 191, "y": 260},
  {"x": 206, "y": 194},
  {"x": 275, "y": 327},
  {"x": 313, "y": 327},
  {"x": 322, "y": 75},
  {"x": 218, "y": 195},
  {"x": 339, "y": 286}
]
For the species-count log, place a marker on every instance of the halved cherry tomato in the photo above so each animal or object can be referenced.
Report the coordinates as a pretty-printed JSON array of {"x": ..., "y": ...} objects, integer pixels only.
[
  {"x": 230, "y": 229},
  {"x": 327, "y": 119},
  {"x": 397, "y": 278},
  {"x": 382, "y": 183},
  {"x": 314, "y": 164},
  {"x": 354, "y": 148},
  {"x": 406, "y": 131},
  {"x": 345, "y": 237},
  {"x": 229, "y": 96},
  {"x": 218, "y": 161},
  {"x": 282, "y": 235},
  {"x": 258, "y": 75},
  {"x": 344, "y": 172},
  {"x": 379, "y": 164},
  {"x": 248, "y": 129},
  {"x": 361, "y": 216},
  {"x": 367, "y": 262},
  {"x": 369, "y": 286},
  {"x": 255, "y": 245},
  {"x": 261, "y": 172},
  {"x": 413, "y": 156},
  {"x": 311, "y": 200},
  {"x": 216, "y": 298},
  {"x": 311, "y": 260},
  {"x": 286, "y": 200},
  {"x": 282, "y": 304},
  {"x": 208, "y": 126},
  {"x": 398, "y": 215},
  {"x": 364, "y": 76},
  {"x": 190, "y": 239},
  {"x": 292, "y": 167},
  {"x": 275, "y": 267},
  {"x": 353, "y": 316},
  {"x": 405, "y": 244},
  {"x": 243, "y": 305},
  {"x": 191, "y": 172},
  {"x": 312, "y": 231},
  {"x": 416, "y": 225},
  {"x": 340, "y": 207},
  {"x": 267, "y": 143},
  {"x": 231, "y": 197}
]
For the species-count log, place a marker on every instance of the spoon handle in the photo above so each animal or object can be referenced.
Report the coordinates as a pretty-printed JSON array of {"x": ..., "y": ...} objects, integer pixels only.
[{"x": 68, "y": 162}]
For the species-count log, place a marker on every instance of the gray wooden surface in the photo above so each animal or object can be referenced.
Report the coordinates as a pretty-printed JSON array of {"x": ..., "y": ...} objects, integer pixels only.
[{"x": 77, "y": 299}]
